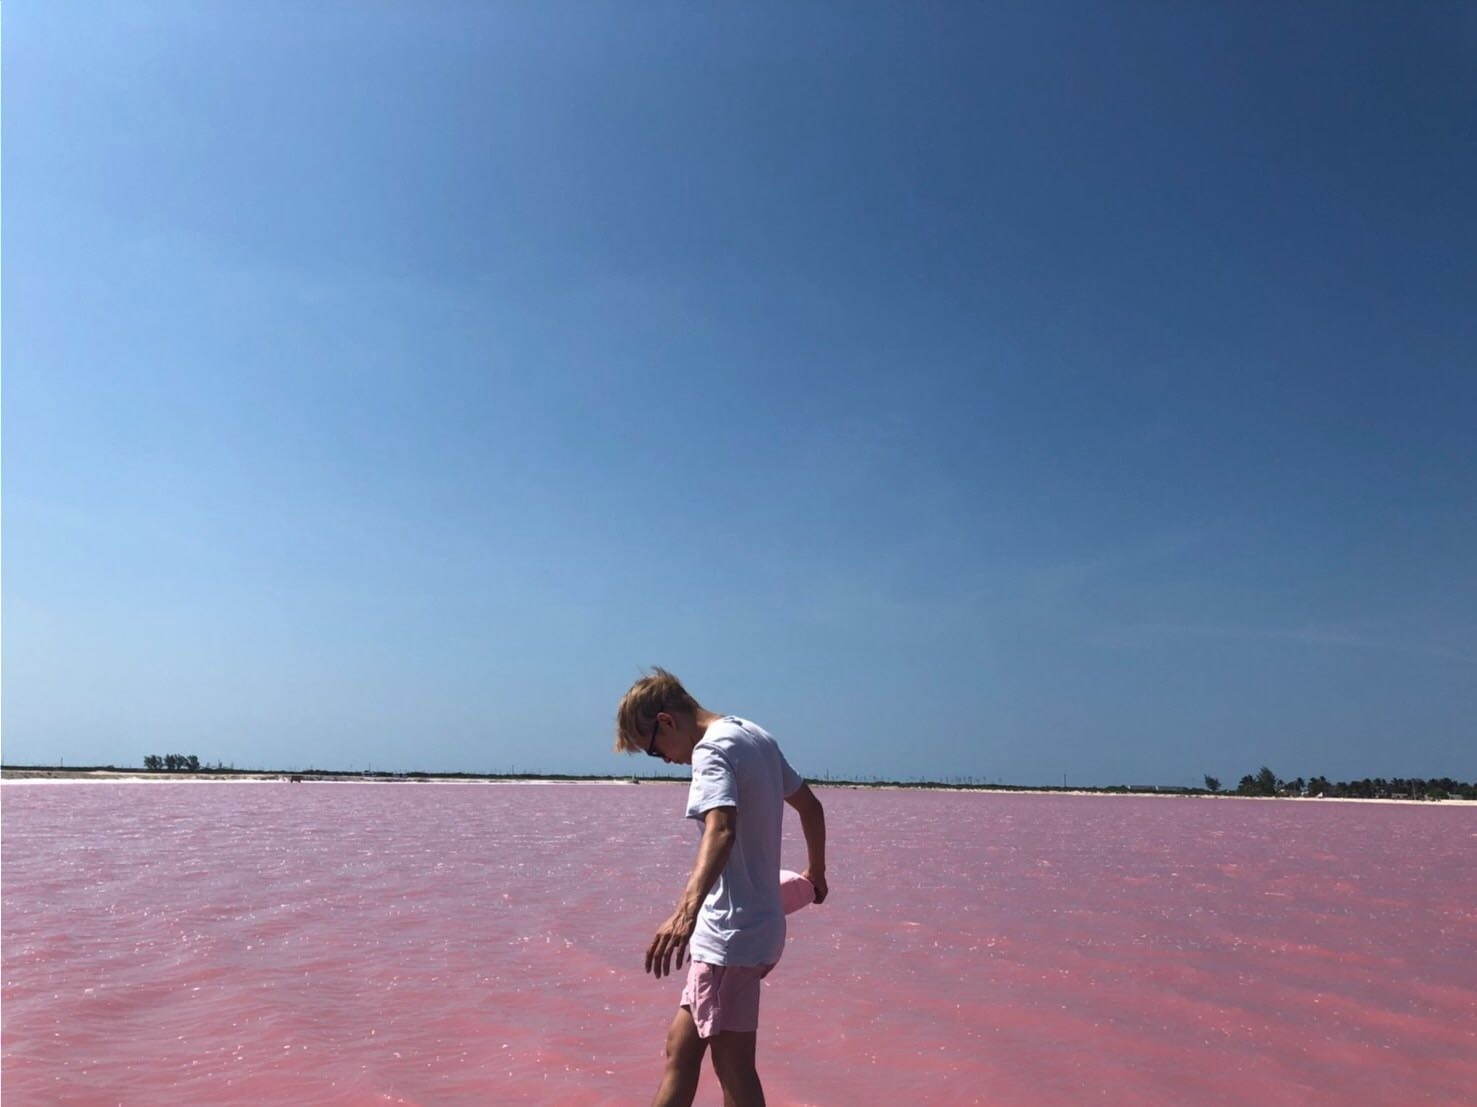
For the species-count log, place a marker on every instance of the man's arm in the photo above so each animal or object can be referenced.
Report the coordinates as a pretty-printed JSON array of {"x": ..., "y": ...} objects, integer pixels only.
[
  {"x": 719, "y": 825},
  {"x": 813, "y": 822}
]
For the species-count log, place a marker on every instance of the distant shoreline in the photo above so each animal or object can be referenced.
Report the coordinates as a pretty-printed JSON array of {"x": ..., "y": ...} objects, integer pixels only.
[
  {"x": 315, "y": 776},
  {"x": 41, "y": 774}
]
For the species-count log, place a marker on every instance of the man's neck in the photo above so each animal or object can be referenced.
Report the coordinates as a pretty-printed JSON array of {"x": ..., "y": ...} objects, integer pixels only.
[{"x": 704, "y": 719}]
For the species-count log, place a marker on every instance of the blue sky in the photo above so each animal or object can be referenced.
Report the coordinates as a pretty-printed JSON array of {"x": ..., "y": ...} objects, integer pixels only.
[{"x": 1001, "y": 391}]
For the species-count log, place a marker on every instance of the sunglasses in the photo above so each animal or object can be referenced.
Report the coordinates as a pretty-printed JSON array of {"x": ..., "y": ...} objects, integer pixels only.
[{"x": 651, "y": 750}]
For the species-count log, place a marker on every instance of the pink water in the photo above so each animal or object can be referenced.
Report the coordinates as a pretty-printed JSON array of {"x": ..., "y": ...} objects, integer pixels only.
[{"x": 468, "y": 944}]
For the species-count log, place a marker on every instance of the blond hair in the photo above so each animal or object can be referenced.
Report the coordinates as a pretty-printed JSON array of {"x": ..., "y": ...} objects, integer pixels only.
[{"x": 636, "y": 715}]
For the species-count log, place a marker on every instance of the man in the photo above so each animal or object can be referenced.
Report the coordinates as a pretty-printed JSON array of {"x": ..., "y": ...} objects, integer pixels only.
[{"x": 729, "y": 920}]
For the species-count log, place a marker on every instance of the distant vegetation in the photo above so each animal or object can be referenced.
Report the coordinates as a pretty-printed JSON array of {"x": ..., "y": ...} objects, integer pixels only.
[
  {"x": 1267, "y": 783},
  {"x": 1264, "y": 782},
  {"x": 172, "y": 763}
]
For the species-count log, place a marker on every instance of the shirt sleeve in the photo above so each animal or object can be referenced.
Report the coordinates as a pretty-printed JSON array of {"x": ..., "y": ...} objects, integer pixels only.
[
  {"x": 790, "y": 780},
  {"x": 713, "y": 782}
]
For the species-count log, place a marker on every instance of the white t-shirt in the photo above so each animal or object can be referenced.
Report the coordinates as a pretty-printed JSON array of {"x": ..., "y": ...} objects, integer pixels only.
[{"x": 738, "y": 764}]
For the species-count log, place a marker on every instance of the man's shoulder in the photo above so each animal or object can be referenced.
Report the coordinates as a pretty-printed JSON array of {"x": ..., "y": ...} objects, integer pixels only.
[
  {"x": 729, "y": 727},
  {"x": 734, "y": 733},
  {"x": 739, "y": 742}
]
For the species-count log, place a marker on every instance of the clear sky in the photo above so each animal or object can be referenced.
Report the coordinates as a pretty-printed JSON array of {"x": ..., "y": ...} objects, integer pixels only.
[{"x": 999, "y": 390}]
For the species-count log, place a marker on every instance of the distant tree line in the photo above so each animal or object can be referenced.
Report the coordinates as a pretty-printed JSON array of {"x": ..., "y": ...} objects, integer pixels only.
[
  {"x": 172, "y": 763},
  {"x": 1264, "y": 782}
]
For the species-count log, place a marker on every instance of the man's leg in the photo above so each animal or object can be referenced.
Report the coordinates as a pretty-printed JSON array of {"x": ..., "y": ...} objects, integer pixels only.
[
  {"x": 733, "y": 1061},
  {"x": 684, "y": 1062}
]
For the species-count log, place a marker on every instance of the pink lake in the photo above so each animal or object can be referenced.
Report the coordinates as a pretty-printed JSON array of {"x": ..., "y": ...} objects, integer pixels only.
[{"x": 344, "y": 943}]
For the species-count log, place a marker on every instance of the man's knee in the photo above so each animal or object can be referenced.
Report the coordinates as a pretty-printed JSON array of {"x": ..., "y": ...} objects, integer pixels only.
[
  {"x": 733, "y": 1057},
  {"x": 682, "y": 1056}
]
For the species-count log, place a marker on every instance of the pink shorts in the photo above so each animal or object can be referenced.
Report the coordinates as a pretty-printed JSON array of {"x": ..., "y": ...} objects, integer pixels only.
[{"x": 723, "y": 997}]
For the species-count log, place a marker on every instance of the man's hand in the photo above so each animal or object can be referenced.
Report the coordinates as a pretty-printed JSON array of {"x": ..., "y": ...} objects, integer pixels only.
[
  {"x": 818, "y": 879},
  {"x": 671, "y": 939}
]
